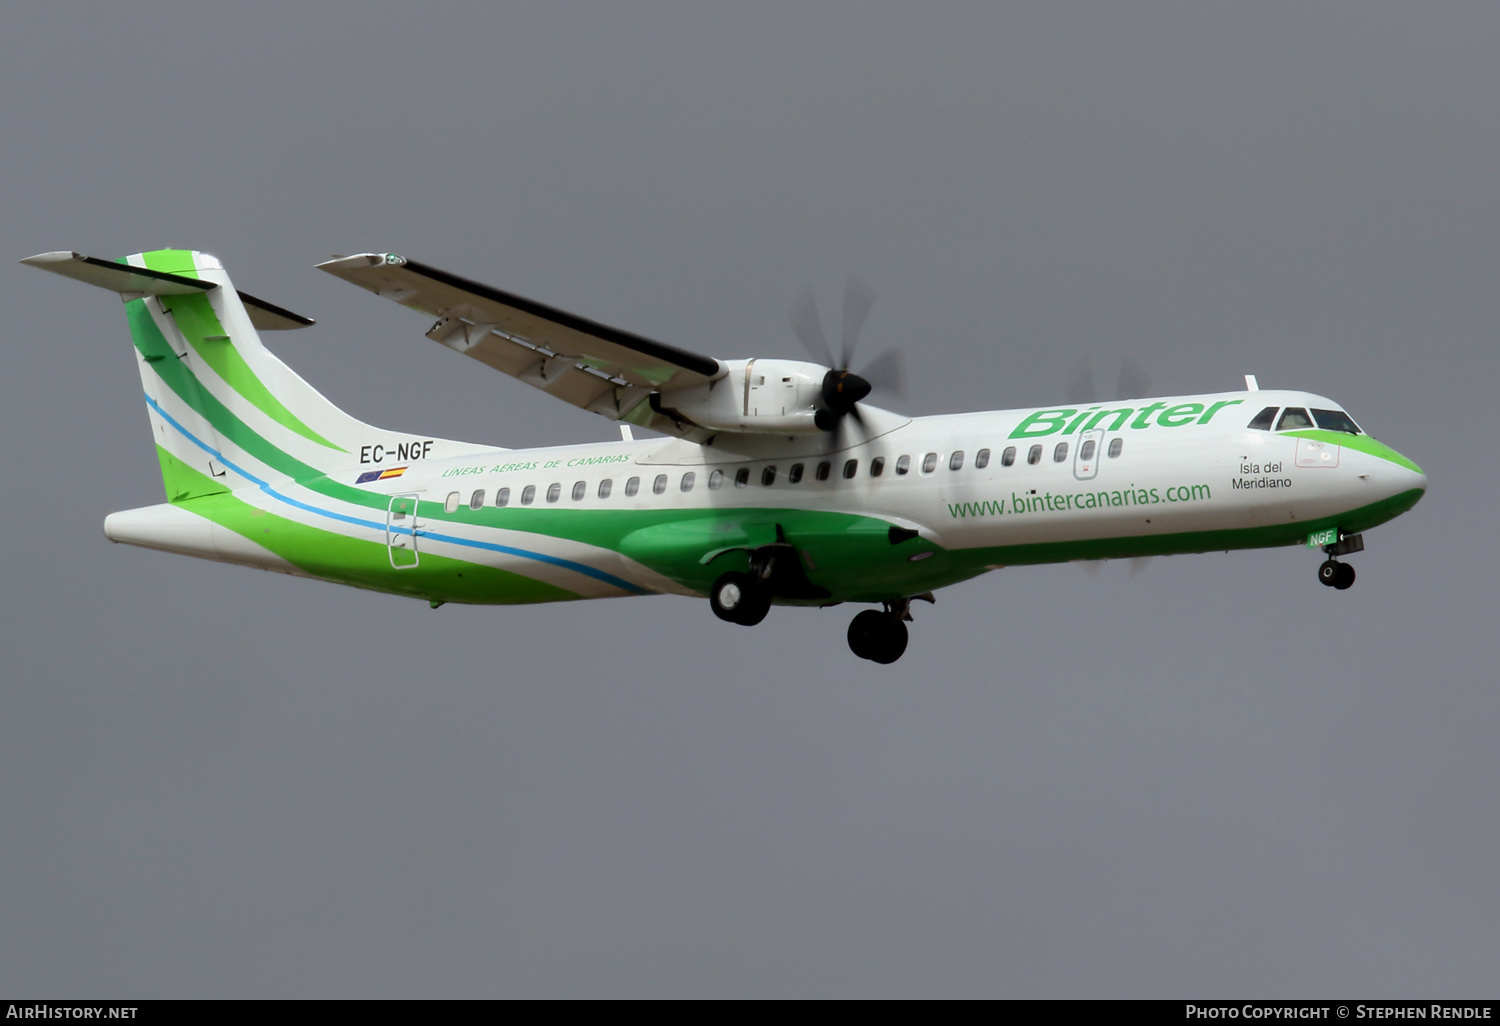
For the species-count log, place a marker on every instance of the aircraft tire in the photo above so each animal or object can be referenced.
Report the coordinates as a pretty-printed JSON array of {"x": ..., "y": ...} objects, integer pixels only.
[
  {"x": 892, "y": 642},
  {"x": 1345, "y": 579},
  {"x": 737, "y": 598},
  {"x": 1328, "y": 572},
  {"x": 878, "y": 637}
]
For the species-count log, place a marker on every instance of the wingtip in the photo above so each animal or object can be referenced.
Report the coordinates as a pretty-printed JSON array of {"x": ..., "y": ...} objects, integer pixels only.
[
  {"x": 359, "y": 261},
  {"x": 54, "y": 257}
]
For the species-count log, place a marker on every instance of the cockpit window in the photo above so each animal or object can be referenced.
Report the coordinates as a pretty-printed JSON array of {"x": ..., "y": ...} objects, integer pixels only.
[
  {"x": 1294, "y": 419},
  {"x": 1336, "y": 420},
  {"x": 1264, "y": 419}
]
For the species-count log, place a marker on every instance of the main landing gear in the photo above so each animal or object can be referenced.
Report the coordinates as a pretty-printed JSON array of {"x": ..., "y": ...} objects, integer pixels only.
[
  {"x": 740, "y": 598},
  {"x": 881, "y": 636},
  {"x": 877, "y": 636},
  {"x": 1338, "y": 575}
]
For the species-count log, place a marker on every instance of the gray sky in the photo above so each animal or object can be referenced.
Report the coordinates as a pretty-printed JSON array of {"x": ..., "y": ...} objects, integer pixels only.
[{"x": 1213, "y": 777}]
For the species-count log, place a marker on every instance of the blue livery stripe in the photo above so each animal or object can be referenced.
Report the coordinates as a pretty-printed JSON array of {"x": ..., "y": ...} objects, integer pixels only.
[{"x": 375, "y": 525}]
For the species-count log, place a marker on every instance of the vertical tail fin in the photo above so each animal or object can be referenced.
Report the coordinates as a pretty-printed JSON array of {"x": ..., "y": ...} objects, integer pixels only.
[
  {"x": 217, "y": 395},
  {"x": 223, "y": 408}
]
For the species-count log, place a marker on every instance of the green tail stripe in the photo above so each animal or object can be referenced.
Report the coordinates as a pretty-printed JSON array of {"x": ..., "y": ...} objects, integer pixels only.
[
  {"x": 172, "y": 261},
  {"x": 204, "y": 332},
  {"x": 197, "y": 321},
  {"x": 183, "y": 482}
]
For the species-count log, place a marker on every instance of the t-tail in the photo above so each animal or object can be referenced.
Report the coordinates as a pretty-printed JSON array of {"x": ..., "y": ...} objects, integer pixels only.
[{"x": 227, "y": 416}]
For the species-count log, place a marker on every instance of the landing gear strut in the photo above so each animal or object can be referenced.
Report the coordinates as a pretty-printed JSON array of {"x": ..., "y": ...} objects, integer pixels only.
[{"x": 775, "y": 573}]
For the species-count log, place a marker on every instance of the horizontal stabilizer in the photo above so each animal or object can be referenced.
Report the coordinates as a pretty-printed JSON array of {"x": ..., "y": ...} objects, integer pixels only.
[
  {"x": 142, "y": 281},
  {"x": 270, "y": 317},
  {"x": 117, "y": 277}
]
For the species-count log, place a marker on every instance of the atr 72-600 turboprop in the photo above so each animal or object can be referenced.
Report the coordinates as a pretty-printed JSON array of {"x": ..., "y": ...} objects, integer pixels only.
[{"x": 775, "y": 483}]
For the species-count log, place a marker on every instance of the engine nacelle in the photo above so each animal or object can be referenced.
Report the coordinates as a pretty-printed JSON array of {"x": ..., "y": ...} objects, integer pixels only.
[{"x": 764, "y": 397}]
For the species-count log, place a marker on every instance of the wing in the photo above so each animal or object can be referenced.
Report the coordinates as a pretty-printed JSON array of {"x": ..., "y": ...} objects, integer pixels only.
[{"x": 591, "y": 365}]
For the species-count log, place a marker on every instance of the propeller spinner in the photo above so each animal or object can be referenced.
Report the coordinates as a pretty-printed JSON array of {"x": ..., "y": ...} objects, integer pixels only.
[{"x": 843, "y": 389}]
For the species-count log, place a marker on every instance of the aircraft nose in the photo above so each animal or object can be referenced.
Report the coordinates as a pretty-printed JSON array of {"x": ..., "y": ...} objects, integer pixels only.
[
  {"x": 1407, "y": 476},
  {"x": 1419, "y": 481}
]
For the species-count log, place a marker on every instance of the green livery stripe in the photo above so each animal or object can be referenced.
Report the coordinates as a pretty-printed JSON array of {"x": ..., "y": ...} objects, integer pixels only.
[
  {"x": 366, "y": 564},
  {"x": 154, "y": 347},
  {"x": 182, "y": 482},
  {"x": 1292, "y": 533},
  {"x": 196, "y": 319},
  {"x": 1359, "y": 443},
  {"x": 201, "y": 327},
  {"x": 172, "y": 261}
]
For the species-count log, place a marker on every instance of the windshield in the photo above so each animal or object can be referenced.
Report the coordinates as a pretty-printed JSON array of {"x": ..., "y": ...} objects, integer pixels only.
[
  {"x": 1336, "y": 420},
  {"x": 1294, "y": 419}
]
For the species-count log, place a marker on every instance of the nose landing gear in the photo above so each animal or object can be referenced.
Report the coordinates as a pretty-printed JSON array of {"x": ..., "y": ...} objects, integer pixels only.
[{"x": 1338, "y": 575}]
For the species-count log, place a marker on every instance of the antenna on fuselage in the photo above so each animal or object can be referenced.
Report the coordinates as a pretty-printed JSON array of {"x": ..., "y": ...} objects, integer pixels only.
[{"x": 1251, "y": 385}]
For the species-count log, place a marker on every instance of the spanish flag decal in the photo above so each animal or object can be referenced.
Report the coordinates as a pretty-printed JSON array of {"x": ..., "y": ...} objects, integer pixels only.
[{"x": 379, "y": 475}]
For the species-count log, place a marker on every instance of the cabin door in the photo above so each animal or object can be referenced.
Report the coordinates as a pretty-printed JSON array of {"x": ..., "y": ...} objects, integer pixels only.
[
  {"x": 401, "y": 531},
  {"x": 1086, "y": 459}
]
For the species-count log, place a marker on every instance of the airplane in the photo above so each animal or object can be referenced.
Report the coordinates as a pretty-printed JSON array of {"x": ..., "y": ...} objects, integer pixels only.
[{"x": 772, "y": 481}]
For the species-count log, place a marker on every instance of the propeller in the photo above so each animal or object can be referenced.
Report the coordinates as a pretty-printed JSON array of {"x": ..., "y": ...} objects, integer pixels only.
[
  {"x": 843, "y": 389},
  {"x": 1132, "y": 383}
]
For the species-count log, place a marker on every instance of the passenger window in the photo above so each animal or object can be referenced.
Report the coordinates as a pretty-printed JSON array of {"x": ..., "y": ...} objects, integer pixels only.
[
  {"x": 632, "y": 486},
  {"x": 903, "y": 464},
  {"x": 1060, "y": 453},
  {"x": 1034, "y": 455},
  {"x": 929, "y": 463},
  {"x": 1008, "y": 457},
  {"x": 1294, "y": 419},
  {"x": 956, "y": 461},
  {"x": 794, "y": 476},
  {"x": 687, "y": 481},
  {"x": 1086, "y": 451},
  {"x": 850, "y": 469},
  {"x": 605, "y": 487},
  {"x": 502, "y": 497},
  {"x": 554, "y": 491},
  {"x": 1335, "y": 420},
  {"x": 528, "y": 495},
  {"x": 877, "y": 466},
  {"x": 716, "y": 480},
  {"x": 580, "y": 489},
  {"x": 768, "y": 476},
  {"x": 981, "y": 459},
  {"x": 1115, "y": 446},
  {"x": 476, "y": 501},
  {"x": 742, "y": 477},
  {"x": 659, "y": 486},
  {"x": 450, "y": 504},
  {"x": 1264, "y": 419},
  {"x": 823, "y": 469}
]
